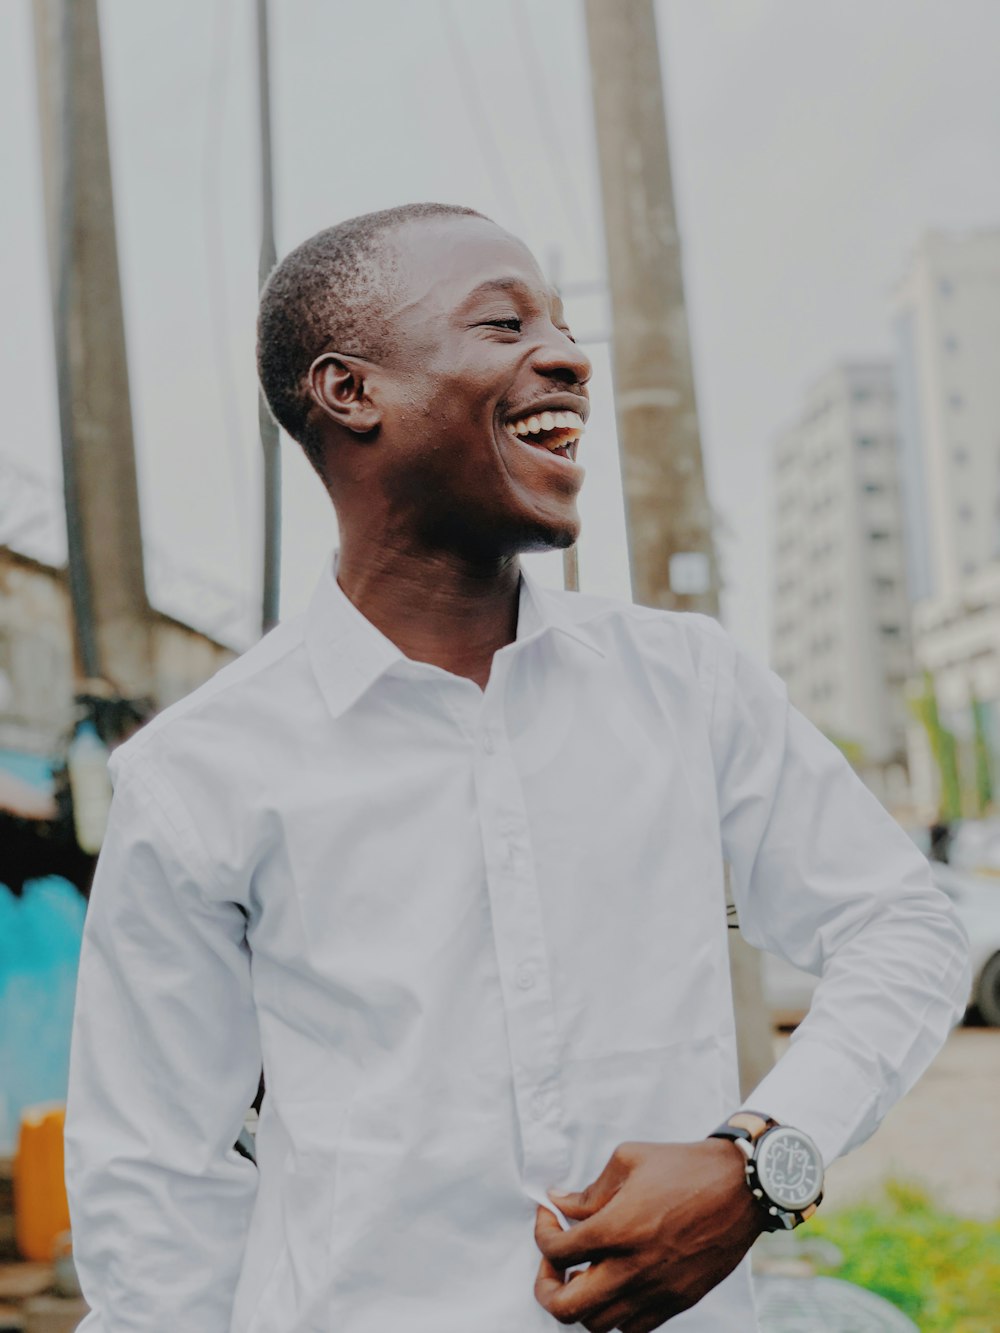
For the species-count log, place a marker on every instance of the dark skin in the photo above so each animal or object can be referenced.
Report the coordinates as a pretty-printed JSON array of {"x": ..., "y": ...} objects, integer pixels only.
[
  {"x": 660, "y": 1227},
  {"x": 436, "y": 499}
]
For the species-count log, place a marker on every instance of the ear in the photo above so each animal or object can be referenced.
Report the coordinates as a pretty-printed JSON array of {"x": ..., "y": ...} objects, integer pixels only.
[{"x": 339, "y": 386}]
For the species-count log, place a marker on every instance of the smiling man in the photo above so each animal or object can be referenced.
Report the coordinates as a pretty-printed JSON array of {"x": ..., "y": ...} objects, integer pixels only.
[{"x": 447, "y": 855}]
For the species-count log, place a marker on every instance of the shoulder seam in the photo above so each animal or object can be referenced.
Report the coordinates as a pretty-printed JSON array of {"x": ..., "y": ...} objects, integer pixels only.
[
  {"x": 170, "y": 811},
  {"x": 204, "y": 693}
]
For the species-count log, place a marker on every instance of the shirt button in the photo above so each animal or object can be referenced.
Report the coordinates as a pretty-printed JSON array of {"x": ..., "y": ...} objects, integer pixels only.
[
  {"x": 526, "y": 976},
  {"x": 488, "y": 744},
  {"x": 539, "y": 1105}
]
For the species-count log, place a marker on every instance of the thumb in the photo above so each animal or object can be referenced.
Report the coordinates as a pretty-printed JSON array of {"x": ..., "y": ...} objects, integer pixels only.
[{"x": 584, "y": 1203}]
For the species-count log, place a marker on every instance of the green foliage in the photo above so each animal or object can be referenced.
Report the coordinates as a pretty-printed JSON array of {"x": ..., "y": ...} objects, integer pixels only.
[
  {"x": 943, "y": 1271},
  {"x": 944, "y": 749},
  {"x": 983, "y": 758}
]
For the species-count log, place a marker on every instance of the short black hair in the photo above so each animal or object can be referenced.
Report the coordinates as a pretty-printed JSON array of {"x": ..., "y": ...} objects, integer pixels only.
[{"x": 329, "y": 293}]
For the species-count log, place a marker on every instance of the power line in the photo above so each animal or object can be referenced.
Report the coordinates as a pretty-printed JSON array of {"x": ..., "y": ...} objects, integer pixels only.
[
  {"x": 482, "y": 127},
  {"x": 546, "y": 120}
]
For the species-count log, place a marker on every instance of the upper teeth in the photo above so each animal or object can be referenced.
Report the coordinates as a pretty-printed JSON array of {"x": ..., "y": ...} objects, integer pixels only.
[{"x": 563, "y": 421}]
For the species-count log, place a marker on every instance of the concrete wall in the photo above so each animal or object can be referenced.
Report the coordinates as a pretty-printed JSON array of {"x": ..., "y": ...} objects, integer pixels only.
[{"x": 947, "y": 316}]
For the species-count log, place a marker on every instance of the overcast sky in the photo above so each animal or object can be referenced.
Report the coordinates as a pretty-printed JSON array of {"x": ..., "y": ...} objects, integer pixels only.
[{"x": 812, "y": 144}]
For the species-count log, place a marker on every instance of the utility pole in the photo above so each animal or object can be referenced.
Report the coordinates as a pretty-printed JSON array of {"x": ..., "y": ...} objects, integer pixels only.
[
  {"x": 107, "y": 585},
  {"x": 668, "y": 516},
  {"x": 269, "y": 438}
]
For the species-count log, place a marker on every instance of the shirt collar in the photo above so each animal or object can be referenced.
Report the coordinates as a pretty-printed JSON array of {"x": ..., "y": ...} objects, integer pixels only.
[{"x": 349, "y": 654}]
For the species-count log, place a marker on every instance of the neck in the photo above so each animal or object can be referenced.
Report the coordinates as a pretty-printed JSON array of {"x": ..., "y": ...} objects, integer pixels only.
[{"x": 435, "y": 607}]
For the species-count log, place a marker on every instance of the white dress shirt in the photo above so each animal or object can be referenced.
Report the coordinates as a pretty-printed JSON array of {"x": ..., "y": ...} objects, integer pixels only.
[{"x": 477, "y": 939}]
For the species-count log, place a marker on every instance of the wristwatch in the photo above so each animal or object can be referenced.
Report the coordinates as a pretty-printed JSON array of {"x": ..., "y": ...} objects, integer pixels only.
[{"x": 784, "y": 1168}]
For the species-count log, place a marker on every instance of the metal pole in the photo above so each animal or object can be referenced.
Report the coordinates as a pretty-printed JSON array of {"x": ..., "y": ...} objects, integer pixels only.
[{"x": 268, "y": 256}]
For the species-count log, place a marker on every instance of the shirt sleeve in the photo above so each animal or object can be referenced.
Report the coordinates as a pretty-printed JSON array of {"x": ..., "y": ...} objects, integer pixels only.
[
  {"x": 164, "y": 1064},
  {"x": 823, "y": 876}
]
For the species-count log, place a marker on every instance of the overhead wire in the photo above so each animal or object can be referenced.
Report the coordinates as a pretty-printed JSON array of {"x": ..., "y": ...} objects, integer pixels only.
[
  {"x": 482, "y": 127},
  {"x": 548, "y": 125}
]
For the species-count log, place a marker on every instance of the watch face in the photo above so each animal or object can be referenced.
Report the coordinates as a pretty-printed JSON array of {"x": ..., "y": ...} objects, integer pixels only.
[{"x": 789, "y": 1168}]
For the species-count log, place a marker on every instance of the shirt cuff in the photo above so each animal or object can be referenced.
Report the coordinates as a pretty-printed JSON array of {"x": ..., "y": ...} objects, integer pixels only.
[{"x": 820, "y": 1091}]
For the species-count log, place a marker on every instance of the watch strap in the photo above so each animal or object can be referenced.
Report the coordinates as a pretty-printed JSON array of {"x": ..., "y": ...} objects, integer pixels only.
[{"x": 745, "y": 1125}]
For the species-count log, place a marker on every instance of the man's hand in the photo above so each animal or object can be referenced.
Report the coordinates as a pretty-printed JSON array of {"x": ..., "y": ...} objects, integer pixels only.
[{"x": 660, "y": 1227}]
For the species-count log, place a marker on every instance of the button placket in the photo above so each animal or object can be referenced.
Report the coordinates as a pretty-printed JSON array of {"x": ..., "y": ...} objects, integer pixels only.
[{"x": 519, "y": 940}]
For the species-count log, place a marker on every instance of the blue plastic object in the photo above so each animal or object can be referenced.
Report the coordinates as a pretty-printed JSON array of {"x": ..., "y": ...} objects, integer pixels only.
[{"x": 40, "y": 937}]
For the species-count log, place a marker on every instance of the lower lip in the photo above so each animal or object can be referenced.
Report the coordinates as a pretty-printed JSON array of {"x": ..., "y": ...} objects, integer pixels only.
[{"x": 558, "y": 460}]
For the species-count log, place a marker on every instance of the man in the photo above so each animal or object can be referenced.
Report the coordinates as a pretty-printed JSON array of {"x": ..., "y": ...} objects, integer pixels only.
[{"x": 447, "y": 854}]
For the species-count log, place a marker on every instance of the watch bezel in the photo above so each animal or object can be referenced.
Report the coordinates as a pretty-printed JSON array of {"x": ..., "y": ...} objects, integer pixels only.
[{"x": 759, "y": 1163}]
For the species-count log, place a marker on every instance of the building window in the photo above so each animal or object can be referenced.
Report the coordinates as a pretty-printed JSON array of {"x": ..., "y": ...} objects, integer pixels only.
[
  {"x": 889, "y": 631},
  {"x": 867, "y": 442},
  {"x": 956, "y": 402},
  {"x": 879, "y": 535},
  {"x": 874, "y": 488},
  {"x": 885, "y": 583},
  {"x": 950, "y": 343}
]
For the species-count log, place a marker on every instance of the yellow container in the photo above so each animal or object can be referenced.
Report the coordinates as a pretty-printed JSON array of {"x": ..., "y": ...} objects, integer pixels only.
[{"x": 41, "y": 1210}]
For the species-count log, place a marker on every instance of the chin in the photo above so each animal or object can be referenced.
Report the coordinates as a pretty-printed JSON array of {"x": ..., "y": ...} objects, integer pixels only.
[
  {"x": 550, "y": 536},
  {"x": 484, "y": 538},
  {"x": 561, "y": 539}
]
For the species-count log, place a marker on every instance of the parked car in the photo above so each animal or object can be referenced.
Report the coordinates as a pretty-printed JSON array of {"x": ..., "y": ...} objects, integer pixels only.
[{"x": 788, "y": 990}]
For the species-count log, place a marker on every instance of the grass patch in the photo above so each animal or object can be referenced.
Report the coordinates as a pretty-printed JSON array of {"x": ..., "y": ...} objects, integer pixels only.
[{"x": 941, "y": 1270}]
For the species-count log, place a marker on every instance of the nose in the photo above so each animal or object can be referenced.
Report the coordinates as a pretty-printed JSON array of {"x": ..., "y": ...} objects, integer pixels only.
[{"x": 560, "y": 358}]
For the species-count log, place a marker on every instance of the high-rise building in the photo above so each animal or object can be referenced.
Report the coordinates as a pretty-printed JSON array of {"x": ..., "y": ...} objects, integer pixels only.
[
  {"x": 947, "y": 331},
  {"x": 840, "y": 632}
]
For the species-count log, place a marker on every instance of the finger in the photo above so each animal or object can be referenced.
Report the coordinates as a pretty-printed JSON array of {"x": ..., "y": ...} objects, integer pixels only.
[
  {"x": 585, "y": 1202},
  {"x": 547, "y": 1272},
  {"x": 548, "y": 1281},
  {"x": 582, "y": 1298},
  {"x": 589, "y": 1240},
  {"x": 630, "y": 1304},
  {"x": 610, "y": 1317},
  {"x": 647, "y": 1322}
]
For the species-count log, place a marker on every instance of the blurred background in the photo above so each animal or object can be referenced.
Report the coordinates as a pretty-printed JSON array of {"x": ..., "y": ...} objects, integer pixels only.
[{"x": 776, "y": 228}]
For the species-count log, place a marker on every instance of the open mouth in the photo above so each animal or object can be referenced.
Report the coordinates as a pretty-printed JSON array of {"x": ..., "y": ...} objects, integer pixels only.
[{"x": 555, "y": 432}]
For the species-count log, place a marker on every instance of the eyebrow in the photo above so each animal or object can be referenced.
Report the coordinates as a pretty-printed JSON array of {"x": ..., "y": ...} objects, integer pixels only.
[
  {"x": 510, "y": 284},
  {"x": 507, "y": 284}
]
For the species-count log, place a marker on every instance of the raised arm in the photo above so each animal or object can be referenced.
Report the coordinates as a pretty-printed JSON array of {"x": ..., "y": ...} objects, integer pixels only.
[
  {"x": 823, "y": 876},
  {"x": 165, "y": 1061}
]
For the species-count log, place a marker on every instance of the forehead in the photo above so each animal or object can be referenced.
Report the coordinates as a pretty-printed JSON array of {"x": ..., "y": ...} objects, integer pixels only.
[{"x": 442, "y": 261}]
